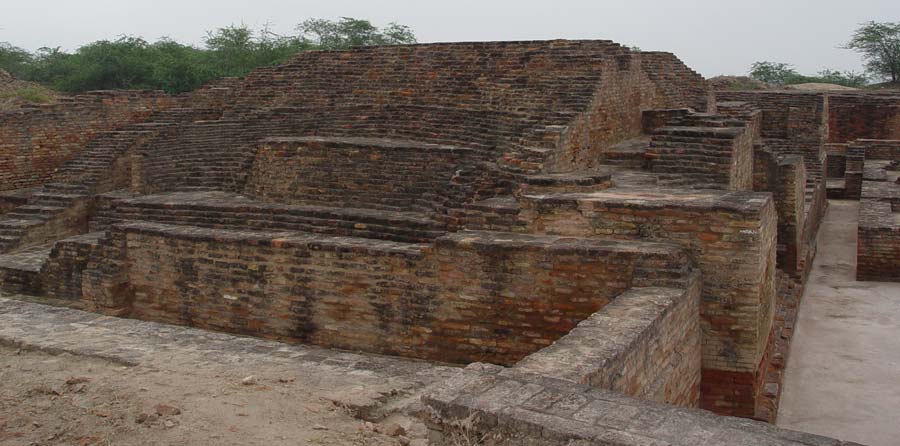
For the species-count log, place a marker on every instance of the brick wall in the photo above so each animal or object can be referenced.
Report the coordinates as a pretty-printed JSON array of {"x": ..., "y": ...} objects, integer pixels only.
[
  {"x": 35, "y": 141},
  {"x": 786, "y": 115},
  {"x": 855, "y": 116},
  {"x": 471, "y": 297},
  {"x": 732, "y": 239},
  {"x": 61, "y": 274},
  {"x": 785, "y": 177},
  {"x": 856, "y": 155},
  {"x": 836, "y": 166},
  {"x": 646, "y": 343},
  {"x": 703, "y": 157},
  {"x": 373, "y": 173},
  {"x": 878, "y": 241},
  {"x": 876, "y": 149}
]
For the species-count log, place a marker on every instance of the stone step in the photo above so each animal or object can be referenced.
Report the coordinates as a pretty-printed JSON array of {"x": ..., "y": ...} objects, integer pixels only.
[{"x": 66, "y": 188}]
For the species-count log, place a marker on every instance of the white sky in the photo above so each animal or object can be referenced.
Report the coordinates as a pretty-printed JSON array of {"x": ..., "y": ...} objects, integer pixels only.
[{"x": 712, "y": 36}]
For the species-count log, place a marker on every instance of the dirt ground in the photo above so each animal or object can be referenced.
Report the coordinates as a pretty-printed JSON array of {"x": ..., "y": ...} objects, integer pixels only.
[{"x": 73, "y": 400}]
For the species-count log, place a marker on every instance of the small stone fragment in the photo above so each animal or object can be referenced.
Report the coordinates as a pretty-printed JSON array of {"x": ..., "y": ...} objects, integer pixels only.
[
  {"x": 79, "y": 380},
  {"x": 249, "y": 381},
  {"x": 165, "y": 410},
  {"x": 393, "y": 429}
]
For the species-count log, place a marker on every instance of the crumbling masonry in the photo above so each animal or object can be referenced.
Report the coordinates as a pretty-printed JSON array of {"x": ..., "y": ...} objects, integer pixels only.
[{"x": 595, "y": 223}]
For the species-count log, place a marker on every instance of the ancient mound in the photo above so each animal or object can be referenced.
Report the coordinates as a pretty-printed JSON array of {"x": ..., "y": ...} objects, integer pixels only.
[
  {"x": 733, "y": 83},
  {"x": 818, "y": 86},
  {"x": 884, "y": 86}
]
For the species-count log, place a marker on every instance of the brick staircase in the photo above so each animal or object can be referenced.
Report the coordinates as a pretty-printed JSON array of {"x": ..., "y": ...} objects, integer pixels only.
[{"x": 52, "y": 211}]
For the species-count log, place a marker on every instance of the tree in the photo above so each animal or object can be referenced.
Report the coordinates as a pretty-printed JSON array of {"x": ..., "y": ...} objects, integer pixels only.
[
  {"x": 349, "y": 32},
  {"x": 234, "y": 51},
  {"x": 879, "y": 43},
  {"x": 774, "y": 73},
  {"x": 13, "y": 59}
]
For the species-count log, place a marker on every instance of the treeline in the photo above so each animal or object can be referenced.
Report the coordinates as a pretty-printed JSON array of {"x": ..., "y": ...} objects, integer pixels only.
[
  {"x": 877, "y": 42},
  {"x": 780, "y": 74},
  {"x": 134, "y": 63}
]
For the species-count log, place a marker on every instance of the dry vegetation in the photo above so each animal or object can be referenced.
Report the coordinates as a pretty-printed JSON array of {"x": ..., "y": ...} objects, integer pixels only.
[{"x": 15, "y": 93}]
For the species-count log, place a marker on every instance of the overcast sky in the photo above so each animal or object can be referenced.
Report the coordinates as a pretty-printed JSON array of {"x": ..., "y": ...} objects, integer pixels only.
[{"x": 712, "y": 36}]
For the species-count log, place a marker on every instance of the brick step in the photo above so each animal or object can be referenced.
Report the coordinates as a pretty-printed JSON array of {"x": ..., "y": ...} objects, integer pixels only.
[
  {"x": 55, "y": 199},
  {"x": 20, "y": 272},
  {"x": 37, "y": 209},
  {"x": 688, "y": 166},
  {"x": 281, "y": 213},
  {"x": 691, "y": 144},
  {"x": 247, "y": 214},
  {"x": 67, "y": 188},
  {"x": 249, "y": 221},
  {"x": 712, "y": 133}
]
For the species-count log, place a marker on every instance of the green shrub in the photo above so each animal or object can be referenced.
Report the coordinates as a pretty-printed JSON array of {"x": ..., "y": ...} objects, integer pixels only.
[{"x": 234, "y": 51}]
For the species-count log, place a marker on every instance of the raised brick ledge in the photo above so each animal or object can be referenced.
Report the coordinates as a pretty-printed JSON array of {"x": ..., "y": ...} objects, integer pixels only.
[
  {"x": 507, "y": 241},
  {"x": 217, "y": 200},
  {"x": 748, "y": 203},
  {"x": 711, "y": 132},
  {"x": 275, "y": 239},
  {"x": 874, "y": 214},
  {"x": 382, "y": 143},
  {"x": 510, "y": 407}
]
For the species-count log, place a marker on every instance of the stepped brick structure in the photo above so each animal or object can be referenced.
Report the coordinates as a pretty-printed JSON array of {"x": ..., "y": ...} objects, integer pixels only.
[{"x": 584, "y": 217}]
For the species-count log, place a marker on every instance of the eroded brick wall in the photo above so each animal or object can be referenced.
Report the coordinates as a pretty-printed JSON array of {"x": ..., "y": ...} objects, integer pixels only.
[
  {"x": 35, "y": 141},
  {"x": 471, "y": 297}
]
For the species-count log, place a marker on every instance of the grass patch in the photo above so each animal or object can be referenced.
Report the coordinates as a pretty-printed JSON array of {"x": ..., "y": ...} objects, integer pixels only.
[{"x": 34, "y": 95}]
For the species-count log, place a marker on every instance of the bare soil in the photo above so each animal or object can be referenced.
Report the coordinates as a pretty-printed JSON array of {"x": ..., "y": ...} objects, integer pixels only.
[{"x": 73, "y": 400}]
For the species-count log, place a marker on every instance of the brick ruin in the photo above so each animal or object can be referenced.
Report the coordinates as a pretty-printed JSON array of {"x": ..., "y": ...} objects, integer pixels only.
[{"x": 560, "y": 216}]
